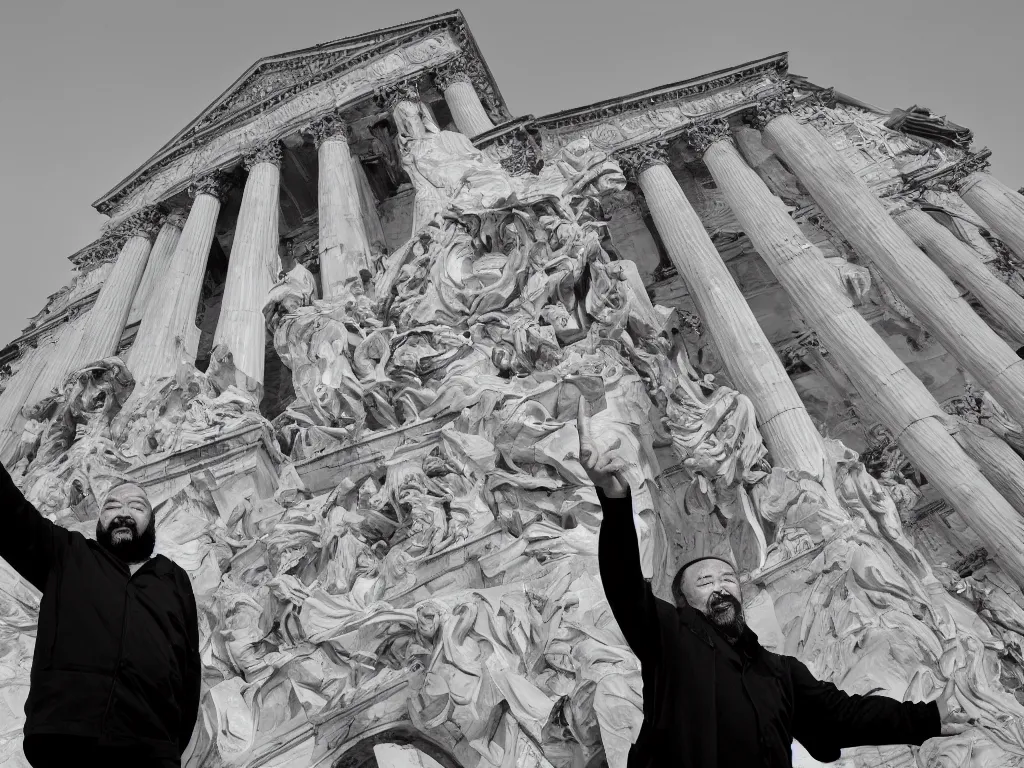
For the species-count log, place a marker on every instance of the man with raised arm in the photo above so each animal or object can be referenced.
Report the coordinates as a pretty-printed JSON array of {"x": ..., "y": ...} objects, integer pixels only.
[
  {"x": 116, "y": 672},
  {"x": 713, "y": 697}
]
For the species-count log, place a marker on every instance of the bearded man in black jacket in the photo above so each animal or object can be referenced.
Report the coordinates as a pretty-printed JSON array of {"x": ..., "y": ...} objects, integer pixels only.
[
  {"x": 116, "y": 672},
  {"x": 713, "y": 697}
]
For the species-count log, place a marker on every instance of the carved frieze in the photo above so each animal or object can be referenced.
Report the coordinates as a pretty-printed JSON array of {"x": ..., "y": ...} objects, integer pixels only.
[
  {"x": 770, "y": 106},
  {"x": 217, "y": 184},
  {"x": 703, "y": 133},
  {"x": 637, "y": 159},
  {"x": 271, "y": 152}
]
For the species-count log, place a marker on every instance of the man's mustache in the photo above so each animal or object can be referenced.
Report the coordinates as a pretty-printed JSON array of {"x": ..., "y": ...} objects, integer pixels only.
[{"x": 720, "y": 598}]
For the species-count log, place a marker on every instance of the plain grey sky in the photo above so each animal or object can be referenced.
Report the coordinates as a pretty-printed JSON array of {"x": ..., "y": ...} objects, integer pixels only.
[{"x": 94, "y": 87}]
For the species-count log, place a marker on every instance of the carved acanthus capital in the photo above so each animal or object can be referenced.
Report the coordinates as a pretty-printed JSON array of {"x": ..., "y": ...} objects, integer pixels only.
[
  {"x": 768, "y": 107},
  {"x": 330, "y": 126},
  {"x": 270, "y": 152},
  {"x": 101, "y": 251},
  {"x": 701, "y": 134},
  {"x": 636, "y": 160},
  {"x": 970, "y": 164},
  {"x": 144, "y": 223},
  {"x": 217, "y": 184},
  {"x": 176, "y": 218},
  {"x": 388, "y": 96},
  {"x": 455, "y": 70}
]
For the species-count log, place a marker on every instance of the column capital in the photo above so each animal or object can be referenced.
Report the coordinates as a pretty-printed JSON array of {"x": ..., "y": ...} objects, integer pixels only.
[
  {"x": 971, "y": 163},
  {"x": 637, "y": 159},
  {"x": 388, "y": 96},
  {"x": 176, "y": 218},
  {"x": 701, "y": 134},
  {"x": 329, "y": 126},
  {"x": 145, "y": 223},
  {"x": 217, "y": 184},
  {"x": 458, "y": 69},
  {"x": 770, "y": 106},
  {"x": 264, "y": 153}
]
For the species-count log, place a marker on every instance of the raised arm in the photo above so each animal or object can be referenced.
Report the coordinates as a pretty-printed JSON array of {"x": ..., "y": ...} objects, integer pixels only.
[
  {"x": 30, "y": 543},
  {"x": 618, "y": 553},
  {"x": 827, "y": 720}
]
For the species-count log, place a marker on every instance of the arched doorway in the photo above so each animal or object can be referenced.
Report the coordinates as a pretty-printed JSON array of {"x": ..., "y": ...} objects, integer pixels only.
[{"x": 400, "y": 746}]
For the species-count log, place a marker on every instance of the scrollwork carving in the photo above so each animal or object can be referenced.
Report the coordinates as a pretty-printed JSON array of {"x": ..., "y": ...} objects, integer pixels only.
[
  {"x": 388, "y": 96},
  {"x": 703, "y": 133},
  {"x": 970, "y": 164},
  {"x": 637, "y": 159},
  {"x": 330, "y": 126},
  {"x": 455, "y": 70},
  {"x": 769, "y": 107},
  {"x": 271, "y": 152},
  {"x": 216, "y": 184}
]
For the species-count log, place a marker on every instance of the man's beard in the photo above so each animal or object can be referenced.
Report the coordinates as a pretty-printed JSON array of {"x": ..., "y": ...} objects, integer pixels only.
[
  {"x": 726, "y": 613},
  {"x": 136, "y": 549}
]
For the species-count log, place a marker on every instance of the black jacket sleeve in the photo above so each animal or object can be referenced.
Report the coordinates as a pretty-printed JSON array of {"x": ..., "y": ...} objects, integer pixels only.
[
  {"x": 30, "y": 543},
  {"x": 629, "y": 595},
  {"x": 827, "y": 720},
  {"x": 192, "y": 683}
]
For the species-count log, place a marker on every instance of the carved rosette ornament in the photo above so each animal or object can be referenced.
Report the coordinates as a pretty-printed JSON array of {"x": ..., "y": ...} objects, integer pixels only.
[
  {"x": 456, "y": 70},
  {"x": 768, "y": 107},
  {"x": 970, "y": 164},
  {"x": 216, "y": 184},
  {"x": 701, "y": 134},
  {"x": 265, "y": 153},
  {"x": 388, "y": 96},
  {"x": 330, "y": 126},
  {"x": 636, "y": 160}
]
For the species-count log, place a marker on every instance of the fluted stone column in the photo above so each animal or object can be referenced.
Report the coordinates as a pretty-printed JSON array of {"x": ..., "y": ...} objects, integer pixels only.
[
  {"x": 453, "y": 78},
  {"x": 1000, "y": 207},
  {"x": 888, "y": 387},
  {"x": 14, "y": 396},
  {"x": 960, "y": 262},
  {"x": 168, "y": 332},
  {"x": 253, "y": 265},
  {"x": 749, "y": 357},
  {"x": 862, "y": 220},
  {"x": 163, "y": 249},
  {"x": 344, "y": 246},
  {"x": 60, "y": 360},
  {"x": 109, "y": 314}
]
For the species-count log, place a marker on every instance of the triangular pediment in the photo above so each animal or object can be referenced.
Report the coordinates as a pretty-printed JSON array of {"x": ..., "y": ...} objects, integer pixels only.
[{"x": 275, "y": 79}]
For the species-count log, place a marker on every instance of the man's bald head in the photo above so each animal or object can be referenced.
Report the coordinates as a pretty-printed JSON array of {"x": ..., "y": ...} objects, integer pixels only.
[{"x": 126, "y": 526}]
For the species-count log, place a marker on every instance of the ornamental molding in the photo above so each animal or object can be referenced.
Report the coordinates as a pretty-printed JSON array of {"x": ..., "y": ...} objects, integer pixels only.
[
  {"x": 271, "y": 153},
  {"x": 146, "y": 223},
  {"x": 388, "y": 96},
  {"x": 217, "y": 184},
  {"x": 331, "y": 126},
  {"x": 770, "y": 106},
  {"x": 701, "y": 134},
  {"x": 635, "y": 160},
  {"x": 975, "y": 162},
  {"x": 100, "y": 251},
  {"x": 278, "y": 94},
  {"x": 663, "y": 112}
]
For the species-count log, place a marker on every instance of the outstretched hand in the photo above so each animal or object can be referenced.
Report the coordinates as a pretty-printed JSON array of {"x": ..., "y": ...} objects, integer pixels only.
[
  {"x": 952, "y": 716},
  {"x": 605, "y": 468}
]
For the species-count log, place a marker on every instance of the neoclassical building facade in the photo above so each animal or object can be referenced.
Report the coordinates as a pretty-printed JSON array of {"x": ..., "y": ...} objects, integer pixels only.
[{"x": 338, "y": 328}]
